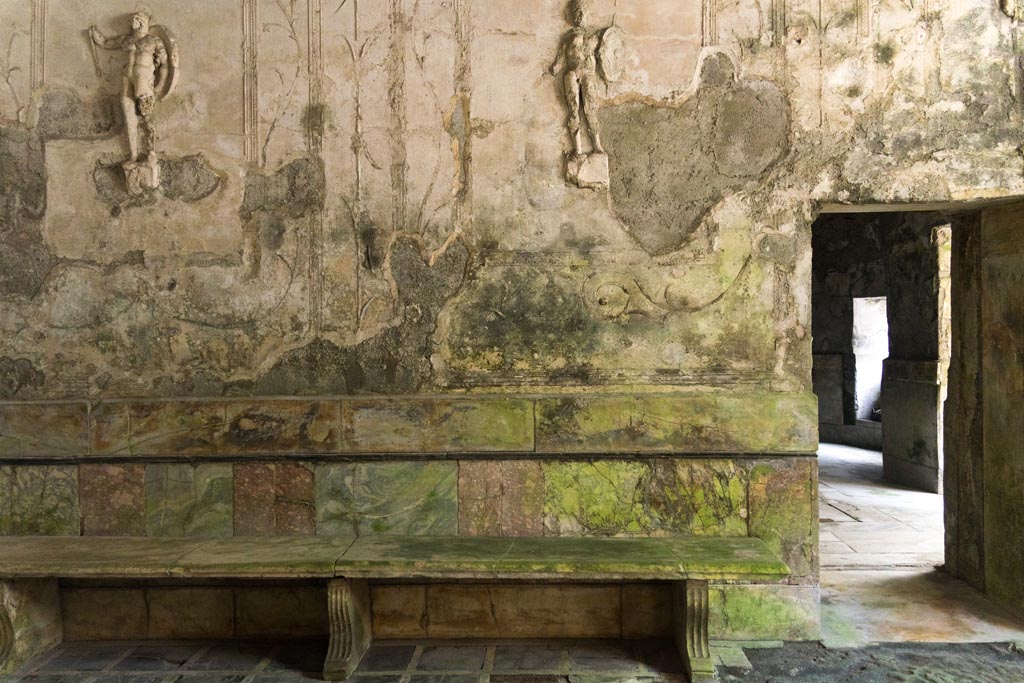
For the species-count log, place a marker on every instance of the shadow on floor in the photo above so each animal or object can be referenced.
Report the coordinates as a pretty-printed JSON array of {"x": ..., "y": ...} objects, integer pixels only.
[{"x": 516, "y": 662}]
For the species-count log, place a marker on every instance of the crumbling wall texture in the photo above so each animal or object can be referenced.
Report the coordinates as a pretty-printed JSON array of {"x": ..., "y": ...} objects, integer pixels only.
[{"x": 367, "y": 201}]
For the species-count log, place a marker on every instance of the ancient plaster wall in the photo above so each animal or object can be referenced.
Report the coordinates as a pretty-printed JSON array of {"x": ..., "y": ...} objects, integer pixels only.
[
  {"x": 362, "y": 200},
  {"x": 983, "y": 483}
]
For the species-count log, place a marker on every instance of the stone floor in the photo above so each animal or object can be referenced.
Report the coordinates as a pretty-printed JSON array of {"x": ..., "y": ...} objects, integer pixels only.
[
  {"x": 520, "y": 662},
  {"x": 394, "y": 662},
  {"x": 867, "y": 523},
  {"x": 880, "y": 546}
]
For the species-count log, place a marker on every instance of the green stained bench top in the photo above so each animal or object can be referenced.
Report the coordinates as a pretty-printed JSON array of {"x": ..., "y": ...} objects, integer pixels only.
[{"x": 391, "y": 557}]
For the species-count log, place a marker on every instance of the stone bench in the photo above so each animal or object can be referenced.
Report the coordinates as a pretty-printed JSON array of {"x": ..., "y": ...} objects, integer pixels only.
[{"x": 348, "y": 564}]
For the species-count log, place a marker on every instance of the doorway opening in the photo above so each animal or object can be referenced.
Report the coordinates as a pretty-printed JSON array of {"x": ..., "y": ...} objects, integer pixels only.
[{"x": 881, "y": 324}]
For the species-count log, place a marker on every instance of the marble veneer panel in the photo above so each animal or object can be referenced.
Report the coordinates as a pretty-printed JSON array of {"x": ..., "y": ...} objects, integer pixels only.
[
  {"x": 745, "y": 422},
  {"x": 39, "y": 501},
  {"x": 112, "y": 499},
  {"x": 387, "y": 498},
  {"x": 189, "y": 500}
]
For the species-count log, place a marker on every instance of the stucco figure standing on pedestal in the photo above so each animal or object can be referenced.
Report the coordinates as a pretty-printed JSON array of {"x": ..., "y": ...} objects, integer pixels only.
[
  {"x": 150, "y": 76},
  {"x": 585, "y": 58}
]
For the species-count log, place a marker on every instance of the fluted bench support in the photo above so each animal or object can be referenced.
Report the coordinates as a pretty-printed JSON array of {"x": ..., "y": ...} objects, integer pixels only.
[{"x": 348, "y": 605}]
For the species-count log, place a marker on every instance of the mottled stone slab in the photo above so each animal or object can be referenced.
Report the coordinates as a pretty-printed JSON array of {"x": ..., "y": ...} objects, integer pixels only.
[
  {"x": 30, "y": 620},
  {"x": 274, "y": 499},
  {"x": 699, "y": 497},
  {"x": 518, "y": 611},
  {"x": 784, "y": 510},
  {"x": 104, "y": 613},
  {"x": 439, "y": 425},
  {"x": 282, "y": 427},
  {"x": 602, "y": 498},
  {"x": 159, "y": 428},
  {"x": 39, "y": 500},
  {"x": 698, "y": 423},
  {"x": 85, "y": 557},
  {"x": 264, "y": 557},
  {"x": 610, "y": 558},
  {"x": 647, "y": 611},
  {"x": 765, "y": 612},
  {"x": 501, "y": 498},
  {"x": 191, "y": 613},
  {"x": 44, "y": 429},
  {"x": 284, "y": 611},
  {"x": 189, "y": 500},
  {"x": 112, "y": 499},
  {"x": 691, "y": 496},
  {"x": 399, "y": 611},
  {"x": 387, "y": 498}
]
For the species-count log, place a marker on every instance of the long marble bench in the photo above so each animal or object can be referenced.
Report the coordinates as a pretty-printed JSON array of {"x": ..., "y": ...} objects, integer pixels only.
[{"x": 348, "y": 564}]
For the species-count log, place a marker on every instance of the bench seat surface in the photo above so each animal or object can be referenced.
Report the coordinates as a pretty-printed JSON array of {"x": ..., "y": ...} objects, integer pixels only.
[{"x": 391, "y": 557}]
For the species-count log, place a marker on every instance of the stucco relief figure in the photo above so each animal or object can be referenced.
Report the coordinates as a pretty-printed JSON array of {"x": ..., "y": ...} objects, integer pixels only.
[
  {"x": 585, "y": 60},
  {"x": 149, "y": 76}
]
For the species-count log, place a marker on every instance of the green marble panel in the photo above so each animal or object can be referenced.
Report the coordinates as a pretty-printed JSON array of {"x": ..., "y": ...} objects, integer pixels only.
[
  {"x": 39, "y": 501},
  {"x": 41, "y": 429},
  {"x": 604, "y": 498},
  {"x": 684, "y": 497},
  {"x": 189, "y": 500},
  {"x": 784, "y": 510},
  {"x": 698, "y": 423},
  {"x": 387, "y": 498},
  {"x": 438, "y": 426}
]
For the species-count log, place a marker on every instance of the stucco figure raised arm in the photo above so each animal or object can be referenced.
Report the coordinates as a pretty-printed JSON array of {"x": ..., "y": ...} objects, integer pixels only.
[
  {"x": 586, "y": 58},
  {"x": 149, "y": 76}
]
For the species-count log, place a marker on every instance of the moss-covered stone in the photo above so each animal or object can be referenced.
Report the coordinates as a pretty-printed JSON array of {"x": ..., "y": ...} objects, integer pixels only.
[
  {"x": 784, "y": 510},
  {"x": 766, "y": 612},
  {"x": 605, "y": 498},
  {"x": 698, "y": 423},
  {"x": 39, "y": 500}
]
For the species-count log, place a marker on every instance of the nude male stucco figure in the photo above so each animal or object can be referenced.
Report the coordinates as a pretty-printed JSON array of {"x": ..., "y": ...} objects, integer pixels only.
[
  {"x": 149, "y": 76},
  {"x": 586, "y": 59}
]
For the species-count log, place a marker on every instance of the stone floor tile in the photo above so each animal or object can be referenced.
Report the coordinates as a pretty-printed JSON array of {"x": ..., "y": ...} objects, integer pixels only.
[
  {"x": 85, "y": 658},
  {"x": 444, "y": 678},
  {"x": 299, "y": 656},
  {"x": 157, "y": 658},
  {"x": 732, "y": 657},
  {"x": 604, "y": 658},
  {"x": 231, "y": 656},
  {"x": 529, "y": 678},
  {"x": 386, "y": 658},
  {"x": 452, "y": 658},
  {"x": 659, "y": 656},
  {"x": 529, "y": 657}
]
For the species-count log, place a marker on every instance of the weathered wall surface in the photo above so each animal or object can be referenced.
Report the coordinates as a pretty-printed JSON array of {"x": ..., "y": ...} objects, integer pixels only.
[
  {"x": 369, "y": 199},
  {"x": 1002, "y": 338}
]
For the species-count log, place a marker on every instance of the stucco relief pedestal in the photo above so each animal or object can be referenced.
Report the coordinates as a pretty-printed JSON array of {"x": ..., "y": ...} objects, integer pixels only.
[{"x": 588, "y": 171}]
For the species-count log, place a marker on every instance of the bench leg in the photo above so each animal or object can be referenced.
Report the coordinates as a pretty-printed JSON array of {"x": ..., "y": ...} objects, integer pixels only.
[
  {"x": 690, "y": 604},
  {"x": 30, "y": 620},
  {"x": 348, "y": 606}
]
